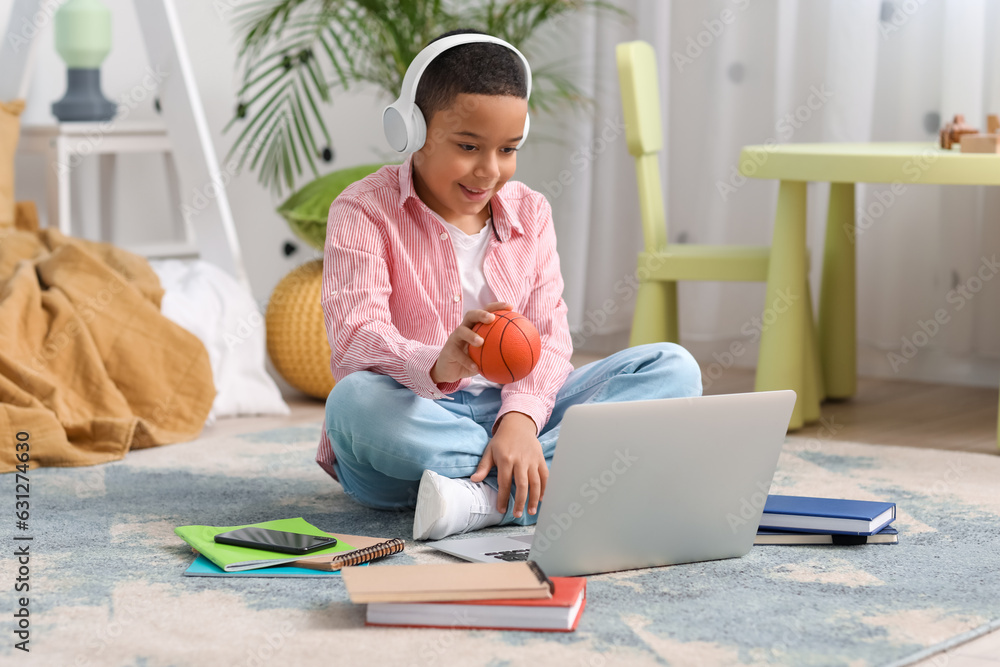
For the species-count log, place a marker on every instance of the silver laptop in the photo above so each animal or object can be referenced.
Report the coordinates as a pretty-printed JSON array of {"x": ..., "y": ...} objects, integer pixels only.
[{"x": 649, "y": 483}]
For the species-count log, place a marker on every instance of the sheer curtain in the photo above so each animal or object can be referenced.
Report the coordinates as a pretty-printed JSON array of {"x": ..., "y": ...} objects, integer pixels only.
[{"x": 739, "y": 72}]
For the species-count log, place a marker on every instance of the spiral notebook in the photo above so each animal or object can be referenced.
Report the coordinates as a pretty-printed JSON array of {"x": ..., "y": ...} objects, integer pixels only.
[
  {"x": 202, "y": 567},
  {"x": 365, "y": 549}
]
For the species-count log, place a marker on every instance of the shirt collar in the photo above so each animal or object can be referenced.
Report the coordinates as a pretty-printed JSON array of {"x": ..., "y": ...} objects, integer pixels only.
[{"x": 503, "y": 221}]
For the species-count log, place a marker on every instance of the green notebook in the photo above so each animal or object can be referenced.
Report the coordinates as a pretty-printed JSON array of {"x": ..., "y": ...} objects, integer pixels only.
[{"x": 235, "y": 559}]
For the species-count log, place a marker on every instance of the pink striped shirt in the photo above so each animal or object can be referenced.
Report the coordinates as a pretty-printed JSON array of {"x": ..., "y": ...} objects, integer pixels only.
[{"x": 392, "y": 296}]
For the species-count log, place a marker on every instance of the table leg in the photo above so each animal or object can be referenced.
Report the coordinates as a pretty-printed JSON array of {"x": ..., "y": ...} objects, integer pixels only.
[
  {"x": 837, "y": 309},
  {"x": 812, "y": 389},
  {"x": 782, "y": 360}
]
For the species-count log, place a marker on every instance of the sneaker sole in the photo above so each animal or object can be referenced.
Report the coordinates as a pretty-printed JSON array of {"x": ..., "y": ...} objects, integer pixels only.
[{"x": 430, "y": 506}]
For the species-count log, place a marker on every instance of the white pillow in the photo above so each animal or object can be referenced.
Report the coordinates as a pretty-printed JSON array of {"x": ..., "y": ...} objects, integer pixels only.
[{"x": 213, "y": 306}]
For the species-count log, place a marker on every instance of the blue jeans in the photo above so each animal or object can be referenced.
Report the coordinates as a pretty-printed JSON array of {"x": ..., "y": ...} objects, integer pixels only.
[{"x": 385, "y": 436}]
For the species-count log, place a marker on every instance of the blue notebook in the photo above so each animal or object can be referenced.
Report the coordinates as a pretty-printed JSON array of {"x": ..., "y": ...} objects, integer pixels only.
[
  {"x": 202, "y": 567},
  {"x": 826, "y": 515},
  {"x": 887, "y": 535}
]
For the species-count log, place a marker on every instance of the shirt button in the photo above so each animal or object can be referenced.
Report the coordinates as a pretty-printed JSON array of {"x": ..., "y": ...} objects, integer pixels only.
[
  {"x": 457, "y": 297},
  {"x": 444, "y": 236}
]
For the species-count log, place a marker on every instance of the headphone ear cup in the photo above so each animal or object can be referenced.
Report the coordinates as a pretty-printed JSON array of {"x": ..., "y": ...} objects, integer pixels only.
[
  {"x": 394, "y": 127},
  {"x": 418, "y": 130},
  {"x": 524, "y": 134}
]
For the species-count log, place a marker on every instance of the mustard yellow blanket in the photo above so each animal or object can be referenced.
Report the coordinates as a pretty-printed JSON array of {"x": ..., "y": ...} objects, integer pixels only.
[{"x": 89, "y": 368}]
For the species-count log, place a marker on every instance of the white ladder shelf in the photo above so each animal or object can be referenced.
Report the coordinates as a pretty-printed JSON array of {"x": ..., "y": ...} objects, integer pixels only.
[{"x": 184, "y": 137}]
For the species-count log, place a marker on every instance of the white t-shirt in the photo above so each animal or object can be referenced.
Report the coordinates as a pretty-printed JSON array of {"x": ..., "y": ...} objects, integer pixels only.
[{"x": 470, "y": 251}]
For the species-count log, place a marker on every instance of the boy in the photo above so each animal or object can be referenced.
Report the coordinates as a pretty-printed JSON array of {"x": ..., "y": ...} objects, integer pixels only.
[{"x": 416, "y": 254}]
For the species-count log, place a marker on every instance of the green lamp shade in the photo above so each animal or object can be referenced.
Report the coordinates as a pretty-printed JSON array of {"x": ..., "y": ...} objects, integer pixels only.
[
  {"x": 83, "y": 33},
  {"x": 306, "y": 211}
]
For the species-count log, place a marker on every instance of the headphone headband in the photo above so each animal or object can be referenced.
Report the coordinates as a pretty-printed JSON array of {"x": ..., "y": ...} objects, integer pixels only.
[{"x": 402, "y": 121}]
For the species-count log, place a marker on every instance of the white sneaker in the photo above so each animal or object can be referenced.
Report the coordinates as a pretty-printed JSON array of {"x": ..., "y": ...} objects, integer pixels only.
[{"x": 448, "y": 506}]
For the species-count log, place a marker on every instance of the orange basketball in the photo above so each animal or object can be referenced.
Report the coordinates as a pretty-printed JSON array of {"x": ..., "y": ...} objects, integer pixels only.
[{"x": 510, "y": 348}]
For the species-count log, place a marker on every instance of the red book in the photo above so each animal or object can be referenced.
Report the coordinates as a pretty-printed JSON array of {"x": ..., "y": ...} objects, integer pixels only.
[{"x": 560, "y": 613}]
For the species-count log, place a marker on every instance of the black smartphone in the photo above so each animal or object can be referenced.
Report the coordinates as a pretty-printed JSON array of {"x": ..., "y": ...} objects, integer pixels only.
[{"x": 275, "y": 540}]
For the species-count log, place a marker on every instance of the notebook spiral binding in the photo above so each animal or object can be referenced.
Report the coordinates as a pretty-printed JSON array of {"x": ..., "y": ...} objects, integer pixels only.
[{"x": 359, "y": 556}]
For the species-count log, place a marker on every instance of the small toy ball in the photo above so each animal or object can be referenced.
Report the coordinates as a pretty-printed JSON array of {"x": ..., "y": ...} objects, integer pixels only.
[{"x": 510, "y": 348}]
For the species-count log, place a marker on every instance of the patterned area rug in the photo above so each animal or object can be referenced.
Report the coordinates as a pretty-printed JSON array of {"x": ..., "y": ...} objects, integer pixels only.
[{"x": 106, "y": 585}]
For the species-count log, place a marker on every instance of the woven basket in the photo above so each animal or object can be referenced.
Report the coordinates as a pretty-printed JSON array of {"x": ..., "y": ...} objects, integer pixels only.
[{"x": 296, "y": 335}]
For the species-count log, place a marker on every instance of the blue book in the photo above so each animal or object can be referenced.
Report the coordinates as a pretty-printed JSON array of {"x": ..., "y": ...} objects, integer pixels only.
[
  {"x": 887, "y": 535},
  {"x": 826, "y": 515},
  {"x": 202, "y": 567}
]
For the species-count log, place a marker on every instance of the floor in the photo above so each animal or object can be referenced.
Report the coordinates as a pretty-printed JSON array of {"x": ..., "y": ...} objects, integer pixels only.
[
  {"x": 882, "y": 412},
  {"x": 955, "y": 418}
]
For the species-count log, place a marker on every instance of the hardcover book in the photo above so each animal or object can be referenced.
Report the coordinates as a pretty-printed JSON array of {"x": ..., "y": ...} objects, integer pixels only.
[
  {"x": 560, "y": 613},
  {"x": 887, "y": 535},
  {"x": 446, "y": 582},
  {"x": 826, "y": 515}
]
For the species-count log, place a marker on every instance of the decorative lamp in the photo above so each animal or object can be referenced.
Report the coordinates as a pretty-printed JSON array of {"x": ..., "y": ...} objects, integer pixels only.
[{"x": 83, "y": 40}]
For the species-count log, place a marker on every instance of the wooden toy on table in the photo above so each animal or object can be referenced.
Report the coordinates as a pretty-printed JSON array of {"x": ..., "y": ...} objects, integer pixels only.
[
  {"x": 952, "y": 132},
  {"x": 984, "y": 143},
  {"x": 969, "y": 138}
]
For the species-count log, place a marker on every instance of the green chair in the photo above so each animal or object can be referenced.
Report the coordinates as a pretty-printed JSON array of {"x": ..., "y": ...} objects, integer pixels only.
[{"x": 662, "y": 264}]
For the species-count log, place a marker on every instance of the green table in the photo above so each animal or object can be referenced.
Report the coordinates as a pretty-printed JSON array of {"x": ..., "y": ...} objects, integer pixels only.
[{"x": 788, "y": 359}]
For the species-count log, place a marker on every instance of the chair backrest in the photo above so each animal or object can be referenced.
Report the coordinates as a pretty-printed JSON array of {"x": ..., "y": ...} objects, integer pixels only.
[{"x": 641, "y": 103}]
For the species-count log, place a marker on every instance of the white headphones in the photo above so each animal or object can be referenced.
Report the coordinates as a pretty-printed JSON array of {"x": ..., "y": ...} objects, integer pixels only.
[{"x": 402, "y": 121}]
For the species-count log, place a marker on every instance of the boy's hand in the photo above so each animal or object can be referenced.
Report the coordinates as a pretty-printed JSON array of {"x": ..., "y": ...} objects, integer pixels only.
[
  {"x": 454, "y": 362},
  {"x": 518, "y": 457}
]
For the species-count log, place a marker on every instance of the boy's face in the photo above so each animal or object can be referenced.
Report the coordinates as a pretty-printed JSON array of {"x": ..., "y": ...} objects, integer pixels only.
[{"x": 470, "y": 152}]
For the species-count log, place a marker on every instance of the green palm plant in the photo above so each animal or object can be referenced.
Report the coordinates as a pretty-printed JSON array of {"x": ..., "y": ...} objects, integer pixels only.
[{"x": 295, "y": 53}]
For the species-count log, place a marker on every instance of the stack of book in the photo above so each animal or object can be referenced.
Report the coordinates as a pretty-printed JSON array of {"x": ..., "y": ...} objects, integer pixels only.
[
  {"x": 805, "y": 520},
  {"x": 489, "y": 596}
]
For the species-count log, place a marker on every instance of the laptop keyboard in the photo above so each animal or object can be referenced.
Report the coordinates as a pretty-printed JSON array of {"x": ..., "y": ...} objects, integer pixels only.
[{"x": 510, "y": 554}]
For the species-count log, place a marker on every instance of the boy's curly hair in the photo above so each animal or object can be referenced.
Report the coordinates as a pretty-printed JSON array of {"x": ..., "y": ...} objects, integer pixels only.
[{"x": 476, "y": 69}]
